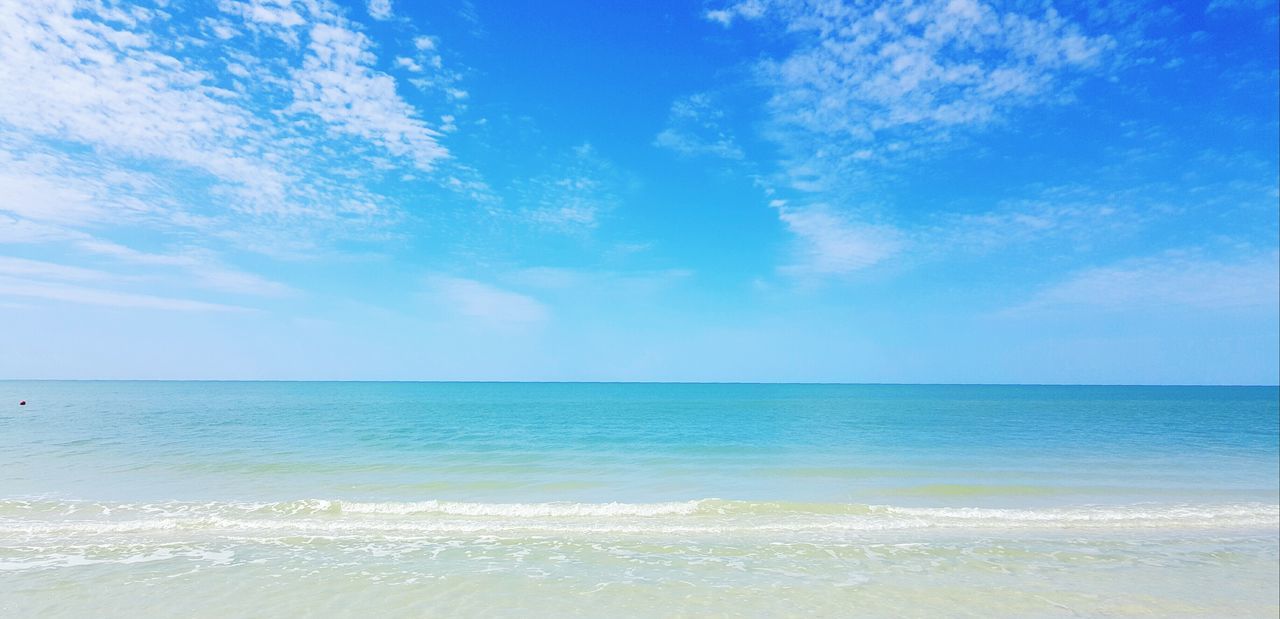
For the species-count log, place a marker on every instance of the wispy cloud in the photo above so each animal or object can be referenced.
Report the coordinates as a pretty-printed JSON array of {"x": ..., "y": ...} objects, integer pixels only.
[
  {"x": 694, "y": 128},
  {"x": 93, "y": 296},
  {"x": 1077, "y": 214},
  {"x": 74, "y": 75},
  {"x": 379, "y": 9},
  {"x": 866, "y": 84},
  {"x": 1244, "y": 5},
  {"x": 255, "y": 125},
  {"x": 338, "y": 84},
  {"x": 15, "y": 230},
  {"x": 39, "y": 269},
  {"x": 265, "y": 99},
  {"x": 21, "y": 277},
  {"x": 1173, "y": 279},
  {"x": 477, "y": 300},
  {"x": 573, "y": 195},
  {"x": 200, "y": 268},
  {"x": 197, "y": 269},
  {"x": 863, "y": 71},
  {"x": 830, "y": 243}
]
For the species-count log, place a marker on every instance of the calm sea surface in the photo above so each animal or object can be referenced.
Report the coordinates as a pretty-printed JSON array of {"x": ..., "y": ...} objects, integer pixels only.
[{"x": 444, "y": 499}]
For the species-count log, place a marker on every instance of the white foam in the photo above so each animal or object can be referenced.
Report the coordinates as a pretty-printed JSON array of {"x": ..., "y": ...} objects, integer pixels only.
[
  {"x": 65, "y": 559},
  {"x": 524, "y": 510},
  {"x": 708, "y": 516},
  {"x": 1192, "y": 515}
]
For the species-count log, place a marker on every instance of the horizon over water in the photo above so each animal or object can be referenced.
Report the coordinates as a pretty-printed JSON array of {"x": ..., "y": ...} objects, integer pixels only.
[
  {"x": 613, "y": 382},
  {"x": 216, "y": 498}
]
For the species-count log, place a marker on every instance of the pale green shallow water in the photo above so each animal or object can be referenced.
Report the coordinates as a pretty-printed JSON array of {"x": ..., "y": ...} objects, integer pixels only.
[{"x": 393, "y": 500}]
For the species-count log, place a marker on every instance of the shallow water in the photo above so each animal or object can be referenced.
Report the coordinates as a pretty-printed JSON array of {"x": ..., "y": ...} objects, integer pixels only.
[{"x": 410, "y": 499}]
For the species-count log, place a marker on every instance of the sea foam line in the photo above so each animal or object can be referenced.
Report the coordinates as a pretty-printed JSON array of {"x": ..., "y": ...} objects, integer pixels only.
[{"x": 705, "y": 516}]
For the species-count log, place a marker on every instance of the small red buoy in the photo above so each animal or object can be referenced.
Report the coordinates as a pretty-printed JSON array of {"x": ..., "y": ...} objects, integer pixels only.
[{"x": 22, "y": 403}]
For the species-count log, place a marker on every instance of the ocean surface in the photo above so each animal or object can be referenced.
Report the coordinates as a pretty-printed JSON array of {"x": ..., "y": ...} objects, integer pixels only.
[{"x": 217, "y": 499}]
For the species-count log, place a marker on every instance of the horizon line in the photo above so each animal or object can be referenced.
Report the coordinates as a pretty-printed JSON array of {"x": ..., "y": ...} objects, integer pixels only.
[{"x": 628, "y": 382}]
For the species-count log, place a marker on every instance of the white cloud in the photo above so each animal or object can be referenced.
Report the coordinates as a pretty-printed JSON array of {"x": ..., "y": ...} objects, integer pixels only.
[
  {"x": 864, "y": 70},
  {"x": 577, "y": 210},
  {"x": 379, "y": 9},
  {"x": 264, "y": 126},
  {"x": 94, "y": 296},
  {"x": 69, "y": 76},
  {"x": 430, "y": 75},
  {"x": 193, "y": 267},
  {"x": 1243, "y": 5},
  {"x": 870, "y": 83},
  {"x": 574, "y": 193},
  {"x": 689, "y": 145},
  {"x": 200, "y": 268},
  {"x": 38, "y": 198},
  {"x": 1178, "y": 279},
  {"x": 747, "y": 9},
  {"x": 270, "y": 17},
  {"x": 16, "y": 230},
  {"x": 141, "y": 88},
  {"x": 477, "y": 300},
  {"x": 830, "y": 243},
  {"x": 21, "y": 267},
  {"x": 409, "y": 64},
  {"x": 225, "y": 279},
  {"x": 694, "y": 128},
  {"x": 337, "y": 83},
  {"x": 44, "y": 185},
  {"x": 1075, "y": 213},
  {"x": 30, "y": 278}
]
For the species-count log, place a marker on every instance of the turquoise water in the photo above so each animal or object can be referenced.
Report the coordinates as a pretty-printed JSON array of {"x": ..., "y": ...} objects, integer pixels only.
[{"x": 411, "y": 499}]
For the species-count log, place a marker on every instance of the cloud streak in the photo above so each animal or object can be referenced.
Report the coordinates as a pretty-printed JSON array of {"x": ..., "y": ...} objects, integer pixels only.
[
  {"x": 829, "y": 243},
  {"x": 483, "y": 302},
  {"x": 93, "y": 296},
  {"x": 1169, "y": 280},
  {"x": 21, "y": 267}
]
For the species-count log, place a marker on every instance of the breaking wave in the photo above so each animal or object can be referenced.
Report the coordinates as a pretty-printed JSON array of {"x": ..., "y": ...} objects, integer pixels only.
[{"x": 317, "y": 516}]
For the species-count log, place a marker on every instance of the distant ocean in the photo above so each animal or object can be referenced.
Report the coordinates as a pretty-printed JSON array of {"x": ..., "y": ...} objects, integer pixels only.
[{"x": 218, "y": 499}]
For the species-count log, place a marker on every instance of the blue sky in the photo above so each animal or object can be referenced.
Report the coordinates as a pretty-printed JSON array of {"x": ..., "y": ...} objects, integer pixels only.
[{"x": 766, "y": 190}]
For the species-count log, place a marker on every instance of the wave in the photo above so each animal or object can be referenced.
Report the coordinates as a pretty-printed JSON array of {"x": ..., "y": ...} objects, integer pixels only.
[
  {"x": 519, "y": 510},
  {"x": 712, "y": 516}
]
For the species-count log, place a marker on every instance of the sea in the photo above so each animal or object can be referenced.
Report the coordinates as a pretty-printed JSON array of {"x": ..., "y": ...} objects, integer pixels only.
[{"x": 402, "y": 499}]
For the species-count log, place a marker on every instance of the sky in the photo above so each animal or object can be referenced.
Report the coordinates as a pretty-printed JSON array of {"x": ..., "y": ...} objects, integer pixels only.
[{"x": 913, "y": 191}]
